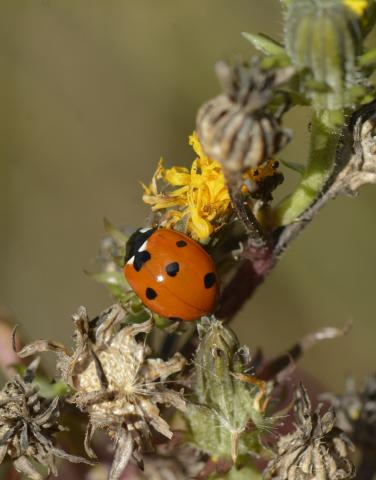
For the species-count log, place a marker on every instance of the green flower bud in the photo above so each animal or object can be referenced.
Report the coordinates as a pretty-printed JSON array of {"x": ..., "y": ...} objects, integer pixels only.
[
  {"x": 324, "y": 36},
  {"x": 226, "y": 421}
]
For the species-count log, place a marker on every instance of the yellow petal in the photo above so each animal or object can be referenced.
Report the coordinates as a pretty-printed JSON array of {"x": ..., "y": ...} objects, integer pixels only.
[
  {"x": 199, "y": 225},
  {"x": 180, "y": 192},
  {"x": 196, "y": 145},
  {"x": 177, "y": 176},
  {"x": 357, "y": 6}
]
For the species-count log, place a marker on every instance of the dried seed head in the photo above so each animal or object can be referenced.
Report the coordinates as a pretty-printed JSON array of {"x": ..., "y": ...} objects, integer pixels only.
[
  {"x": 28, "y": 423},
  {"x": 227, "y": 418},
  {"x": 316, "y": 449},
  {"x": 237, "y": 127},
  {"x": 115, "y": 382},
  {"x": 356, "y": 412},
  {"x": 168, "y": 462}
]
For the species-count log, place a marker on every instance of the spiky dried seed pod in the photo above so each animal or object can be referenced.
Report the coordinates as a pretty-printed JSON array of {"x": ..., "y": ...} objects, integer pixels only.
[
  {"x": 237, "y": 128},
  {"x": 115, "y": 382},
  {"x": 315, "y": 450},
  {"x": 28, "y": 423}
]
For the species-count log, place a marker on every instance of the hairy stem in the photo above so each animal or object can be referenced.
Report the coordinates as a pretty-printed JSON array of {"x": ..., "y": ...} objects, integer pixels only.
[{"x": 324, "y": 143}]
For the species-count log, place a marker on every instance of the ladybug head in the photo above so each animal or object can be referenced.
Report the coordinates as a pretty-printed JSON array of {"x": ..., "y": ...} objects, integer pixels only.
[{"x": 135, "y": 242}]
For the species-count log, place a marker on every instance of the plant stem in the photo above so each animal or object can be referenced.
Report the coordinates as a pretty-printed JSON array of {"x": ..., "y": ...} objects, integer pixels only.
[
  {"x": 256, "y": 235},
  {"x": 257, "y": 263},
  {"x": 324, "y": 142}
]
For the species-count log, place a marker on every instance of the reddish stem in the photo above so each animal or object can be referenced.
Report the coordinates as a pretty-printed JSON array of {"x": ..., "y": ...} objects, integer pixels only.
[{"x": 257, "y": 263}]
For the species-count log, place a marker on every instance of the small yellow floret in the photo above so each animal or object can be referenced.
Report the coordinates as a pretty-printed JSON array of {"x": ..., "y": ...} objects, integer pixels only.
[
  {"x": 197, "y": 198},
  {"x": 357, "y": 6},
  {"x": 198, "y": 195}
]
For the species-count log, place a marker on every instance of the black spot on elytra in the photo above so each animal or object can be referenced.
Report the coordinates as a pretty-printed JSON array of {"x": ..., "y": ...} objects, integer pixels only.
[
  {"x": 150, "y": 293},
  {"x": 209, "y": 279},
  {"x": 172, "y": 269},
  {"x": 181, "y": 243},
  {"x": 140, "y": 259},
  {"x": 175, "y": 319}
]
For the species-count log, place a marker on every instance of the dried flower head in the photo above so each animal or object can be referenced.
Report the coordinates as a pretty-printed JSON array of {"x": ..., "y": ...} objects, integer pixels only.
[
  {"x": 356, "y": 412},
  {"x": 170, "y": 461},
  {"x": 115, "y": 383},
  {"x": 316, "y": 449},
  {"x": 28, "y": 423},
  {"x": 237, "y": 127},
  {"x": 196, "y": 200}
]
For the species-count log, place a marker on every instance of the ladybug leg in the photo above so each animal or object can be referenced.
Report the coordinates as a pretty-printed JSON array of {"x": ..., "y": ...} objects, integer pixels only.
[{"x": 238, "y": 251}]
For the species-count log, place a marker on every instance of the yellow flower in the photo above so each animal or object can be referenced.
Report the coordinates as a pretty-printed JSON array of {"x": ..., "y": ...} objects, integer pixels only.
[
  {"x": 197, "y": 197},
  {"x": 357, "y": 6},
  {"x": 195, "y": 200}
]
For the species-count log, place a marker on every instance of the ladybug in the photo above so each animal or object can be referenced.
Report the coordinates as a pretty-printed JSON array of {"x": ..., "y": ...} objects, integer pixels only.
[{"x": 171, "y": 273}]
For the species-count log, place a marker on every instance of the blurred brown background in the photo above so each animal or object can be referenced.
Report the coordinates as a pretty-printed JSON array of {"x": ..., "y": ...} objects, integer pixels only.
[{"x": 92, "y": 94}]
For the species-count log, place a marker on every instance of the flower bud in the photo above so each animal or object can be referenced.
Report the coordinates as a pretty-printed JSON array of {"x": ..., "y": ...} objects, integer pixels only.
[
  {"x": 226, "y": 420},
  {"x": 324, "y": 36}
]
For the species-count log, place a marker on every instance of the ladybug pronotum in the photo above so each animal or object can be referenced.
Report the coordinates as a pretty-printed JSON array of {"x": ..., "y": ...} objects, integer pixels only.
[{"x": 171, "y": 273}]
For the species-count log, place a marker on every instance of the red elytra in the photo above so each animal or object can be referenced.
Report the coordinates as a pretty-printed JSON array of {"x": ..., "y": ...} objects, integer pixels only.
[{"x": 171, "y": 273}]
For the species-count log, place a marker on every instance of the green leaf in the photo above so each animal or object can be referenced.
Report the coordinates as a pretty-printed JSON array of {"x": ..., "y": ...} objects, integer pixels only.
[
  {"x": 115, "y": 283},
  {"x": 113, "y": 278},
  {"x": 139, "y": 316},
  {"x": 51, "y": 390},
  {"x": 297, "y": 167},
  {"x": 368, "y": 58},
  {"x": 265, "y": 44},
  {"x": 115, "y": 233},
  {"x": 47, "y": 389}
]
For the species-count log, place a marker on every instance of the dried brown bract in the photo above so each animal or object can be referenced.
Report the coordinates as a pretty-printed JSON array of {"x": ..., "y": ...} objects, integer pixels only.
[
  {"x": 315, "y": 450},
  {"x": 115, "y": 382},
  {"x": 172, "y": 462},
  {"x": 356, "y": 412},
  {"x": 28, "y": 423},
  {"x": 237, "y": 128},
  {"x": 361, "y": 166}
]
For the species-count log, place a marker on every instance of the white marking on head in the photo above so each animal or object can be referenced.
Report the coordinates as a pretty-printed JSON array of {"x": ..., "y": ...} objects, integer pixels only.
[
  {"x": 146, "y": 229},
  {"x": 143, "y": 246},
  {"x": 130, "y": 261}
]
